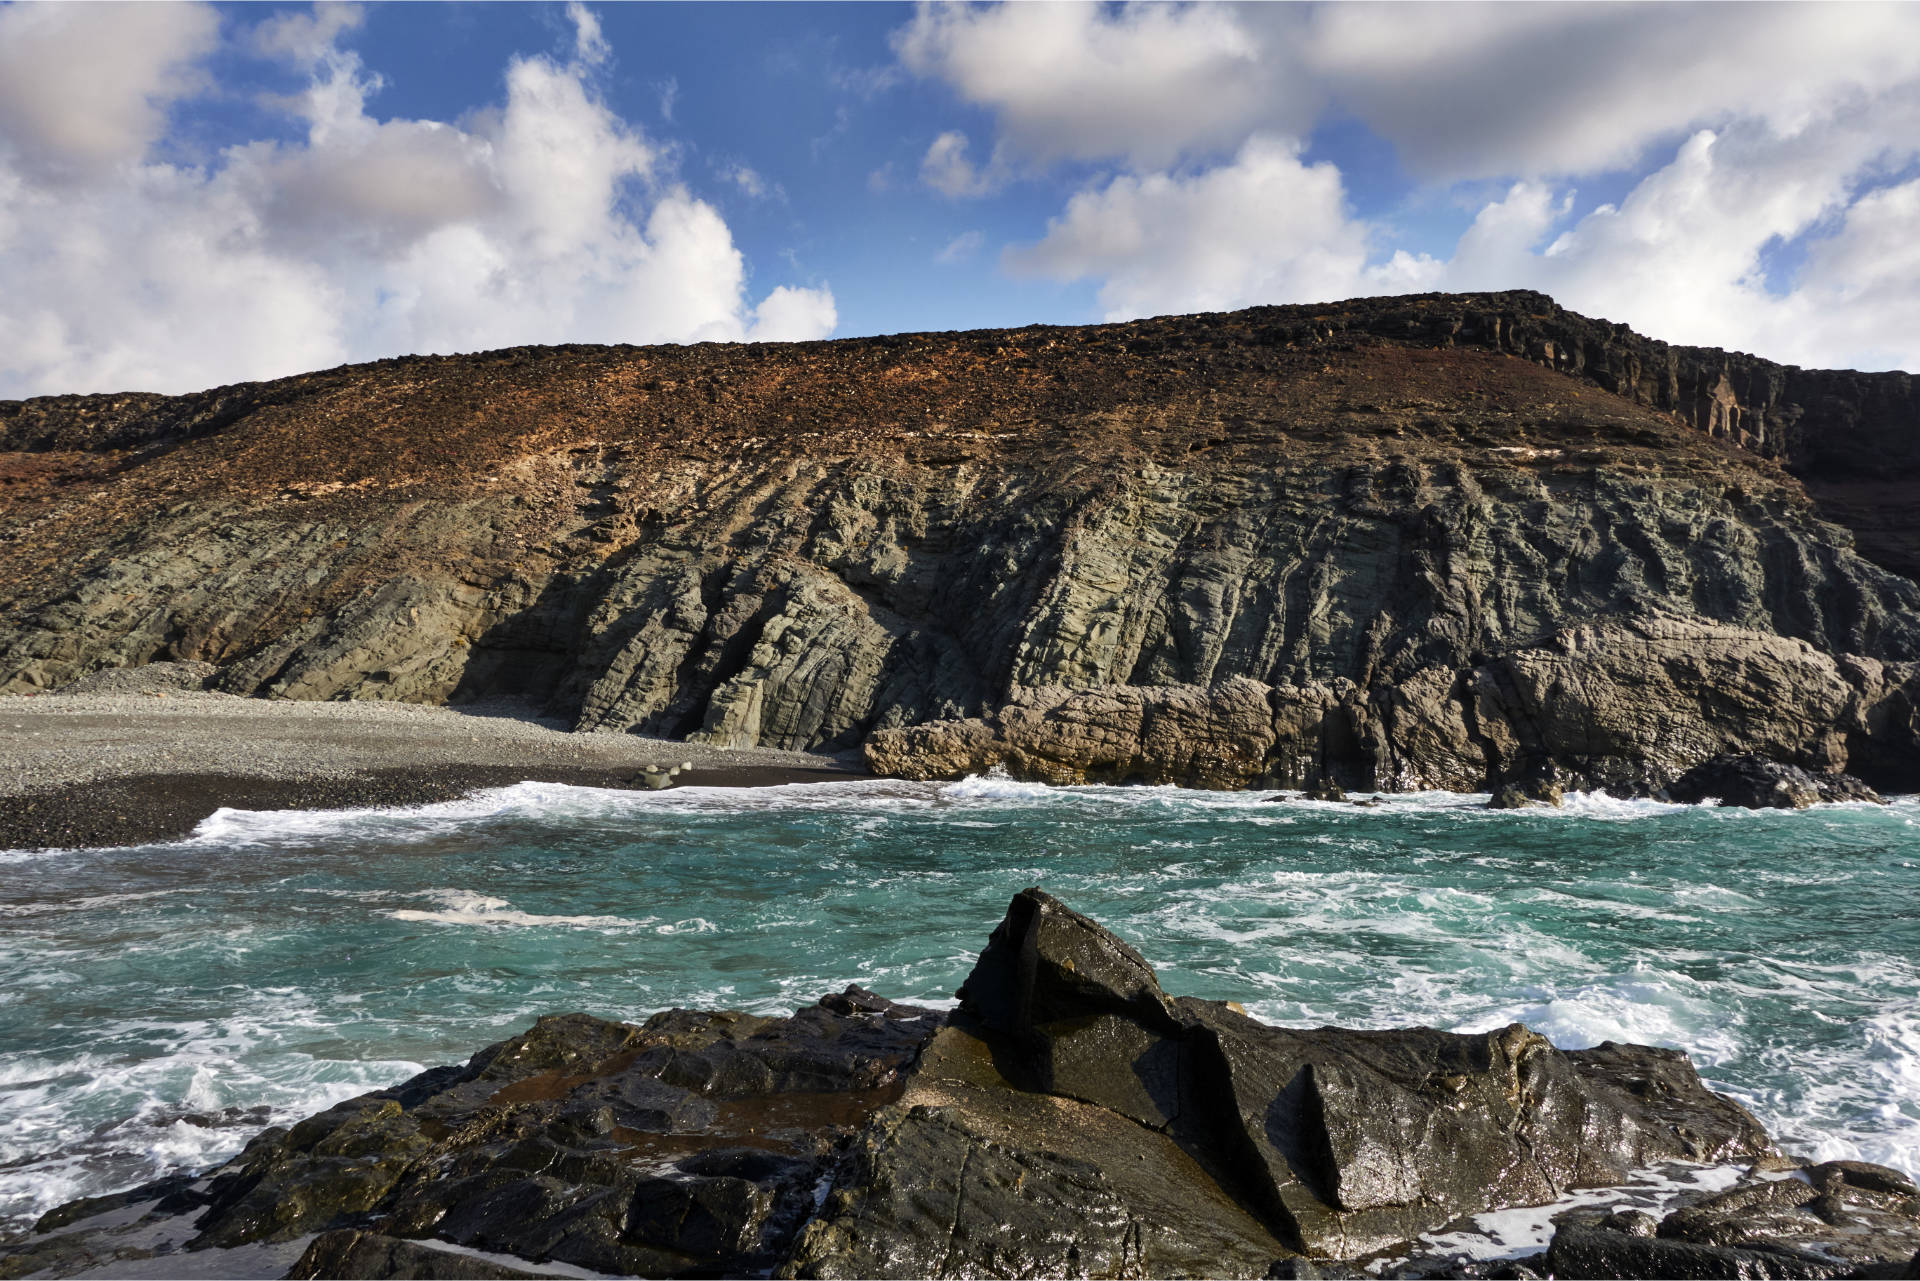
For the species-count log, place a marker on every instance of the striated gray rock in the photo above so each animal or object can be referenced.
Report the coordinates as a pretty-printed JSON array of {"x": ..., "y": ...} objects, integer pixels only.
[
  {"x": 1070, "y": 1118},
  {"x": 1625, "y": 706},
  {"x": 1444, "y": 533}
]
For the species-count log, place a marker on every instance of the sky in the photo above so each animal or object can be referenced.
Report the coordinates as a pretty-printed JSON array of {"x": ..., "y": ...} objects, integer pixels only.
[{"x": 194, "y": 194}]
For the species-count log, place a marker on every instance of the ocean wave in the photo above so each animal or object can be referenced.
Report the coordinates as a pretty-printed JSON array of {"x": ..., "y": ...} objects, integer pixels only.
[
  {"x": 1769, "y": 945},
  {"x": 1512, "y": 1234},
  {"x": 93, "y": 1120},
  {"x": 465, "y": 907}
]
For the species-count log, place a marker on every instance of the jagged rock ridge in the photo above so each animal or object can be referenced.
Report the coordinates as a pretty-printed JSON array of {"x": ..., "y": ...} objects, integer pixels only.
[
  {"x": 1429, "y": 517},
  {"x": 1070, "y": 1118}
]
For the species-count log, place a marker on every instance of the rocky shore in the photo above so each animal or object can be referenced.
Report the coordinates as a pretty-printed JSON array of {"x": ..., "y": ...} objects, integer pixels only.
[
  {"x": 144, "y": 754},
  {"x": 1459, "y": 541},
  {"x": 1069, "y": 1118}
]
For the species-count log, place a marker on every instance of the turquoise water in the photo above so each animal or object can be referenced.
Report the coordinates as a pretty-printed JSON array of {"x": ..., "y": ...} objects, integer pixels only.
[{"x": 149, "y": 996}]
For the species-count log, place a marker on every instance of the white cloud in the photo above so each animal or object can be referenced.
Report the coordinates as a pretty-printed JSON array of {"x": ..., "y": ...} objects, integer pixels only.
[
  {"x": 791, "y": 314},
  {"x": 948, "y": 171},
  {"x": 1264, "y": 228},
  {"x": 1750, "y": 126},
  {"x": 1860, "y": 291},
  {"x": 961, "y": 247},
  {"x": 590, "y": 47},
  {"x": 85, "y": 89},
  {"x": 546, "y": 219},
  {"x": 1681, "y": 257},
  {"x": 1491, "y": 90},
  {"x": 749, "y": 181},
  {"x": 1466, "y": 90},
  {"x": 1147, "y": 82},
  {"x": 306, "y": 39}
]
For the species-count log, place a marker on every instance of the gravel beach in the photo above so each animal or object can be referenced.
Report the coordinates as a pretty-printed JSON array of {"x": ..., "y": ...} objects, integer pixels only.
[{"x": 130, "y": 759}]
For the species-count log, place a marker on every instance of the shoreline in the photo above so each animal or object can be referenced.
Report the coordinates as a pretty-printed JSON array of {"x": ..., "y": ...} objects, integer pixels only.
[
  {"x": 860, "y": 1136},
  {"x": 90, "y": 770}
]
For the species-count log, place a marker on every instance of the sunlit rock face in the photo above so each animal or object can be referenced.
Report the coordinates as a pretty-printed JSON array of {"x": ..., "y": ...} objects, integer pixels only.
[{"x": 1442, "y": 541}]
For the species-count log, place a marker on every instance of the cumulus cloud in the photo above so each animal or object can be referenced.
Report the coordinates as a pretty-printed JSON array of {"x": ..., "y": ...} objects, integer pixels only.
[
  {"x": 1749, "y": 128},
  {"x": 1264, "y": 228},
  {"x": 1493, "y": 90},
  {"x": 1682, "y": 257},
  {"x": 1147, "y": 82},
  {"x": 306, "y": 39},
  {"x": 791, "y": 314},
  {"x": 82, "y": 93},
  {"x": 1467, "y": 90},
  {"x": 545, "y": 219},
  {"x": 948, "y": 170}
]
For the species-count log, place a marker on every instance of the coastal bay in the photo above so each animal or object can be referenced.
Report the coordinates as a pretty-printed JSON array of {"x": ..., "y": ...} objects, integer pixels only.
[
  {"x": 151, "y": 761},
  {"x": 1346, "y": 659}
]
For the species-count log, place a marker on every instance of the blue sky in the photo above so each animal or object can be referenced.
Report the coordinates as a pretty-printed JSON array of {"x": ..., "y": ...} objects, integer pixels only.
[{"x": 194, "y": 194}]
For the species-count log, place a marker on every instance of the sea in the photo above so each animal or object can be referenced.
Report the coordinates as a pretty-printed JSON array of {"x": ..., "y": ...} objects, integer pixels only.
[{"x": 160, "y": 1004}]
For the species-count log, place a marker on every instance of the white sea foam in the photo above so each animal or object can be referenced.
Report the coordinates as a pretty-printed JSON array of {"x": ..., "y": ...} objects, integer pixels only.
[
  {"x": 84, "y": 1123},
  {"x": 1524, "y": 1230},
  {"x": 1426, "y": 909},
  {"x": 465, "y": 907},
  {"x": 544, "y": 803}
]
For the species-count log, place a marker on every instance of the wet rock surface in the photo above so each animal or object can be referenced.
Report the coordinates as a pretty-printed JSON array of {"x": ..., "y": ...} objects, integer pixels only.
[
  {"x": 1390, "y": 543},
  {"x": 1835, "y": 1219},
  {"x": 1755, "y": 782},
  {"x": 1069, "y": 1118}
]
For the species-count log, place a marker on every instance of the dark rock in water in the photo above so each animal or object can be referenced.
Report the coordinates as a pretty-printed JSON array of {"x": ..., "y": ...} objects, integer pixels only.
[
  {"x": 1515, "y": 796},
  {"x": 1326, "y": 790},
  {"x": 1070, "y": 1118},
  {"x": 1754, "y": 782},
  {"x": 1839, "y": 1219}
]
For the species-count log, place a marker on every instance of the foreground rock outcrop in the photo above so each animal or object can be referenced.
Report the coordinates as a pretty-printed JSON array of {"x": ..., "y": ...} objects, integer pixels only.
[
  {"x": 1068, "y": 1119},
  {"x": 1446, "y": 534}
]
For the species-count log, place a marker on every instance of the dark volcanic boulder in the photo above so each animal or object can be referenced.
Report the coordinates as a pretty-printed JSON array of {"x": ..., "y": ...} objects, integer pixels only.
[
  {"x": 1338, "y": 1142},
  {"x": 690, "y": 1144},
  {"x": 1519, "y": 796},
  {"x": 1838, "y": 1219},
  {"x": 1069, "y": 1119},
  {"x": 1756, "y": 783},
  {"x": 351, "y": 1253}
]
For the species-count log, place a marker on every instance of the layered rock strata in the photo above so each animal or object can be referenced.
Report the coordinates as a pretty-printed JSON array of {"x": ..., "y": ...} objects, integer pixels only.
[
  {"x": 1070, "y": 1118},
  {"x": 1457, "y": 525}
]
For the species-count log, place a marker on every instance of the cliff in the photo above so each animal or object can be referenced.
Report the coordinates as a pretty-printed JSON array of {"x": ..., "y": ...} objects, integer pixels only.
[{"x": 1444, "y": 540}]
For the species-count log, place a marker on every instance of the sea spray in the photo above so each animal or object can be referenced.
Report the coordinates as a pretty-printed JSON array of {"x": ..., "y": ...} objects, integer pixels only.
[{"x": 151, "y": 997}]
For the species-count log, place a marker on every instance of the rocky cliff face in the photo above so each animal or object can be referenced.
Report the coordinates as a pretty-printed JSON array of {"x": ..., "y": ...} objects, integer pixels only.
[{"x": 1442, "y": 541}]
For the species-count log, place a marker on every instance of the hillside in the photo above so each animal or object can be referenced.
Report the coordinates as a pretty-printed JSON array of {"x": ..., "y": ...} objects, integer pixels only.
[{"x": 1444, "y": 540}]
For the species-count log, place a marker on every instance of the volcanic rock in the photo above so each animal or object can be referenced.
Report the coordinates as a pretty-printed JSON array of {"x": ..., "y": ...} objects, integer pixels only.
[
  {"x": 1443, "y": 541},
  {"x": 1755, "y": 782},
  {"x": 1069, "y": 1118},
  {"x": 1837, "y": 1219}
]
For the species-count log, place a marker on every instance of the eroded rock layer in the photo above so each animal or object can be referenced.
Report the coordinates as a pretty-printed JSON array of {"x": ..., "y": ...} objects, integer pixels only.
[
  {"x": 1068, "y": 1119},
  {"x": 1446, "y": 535}
]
